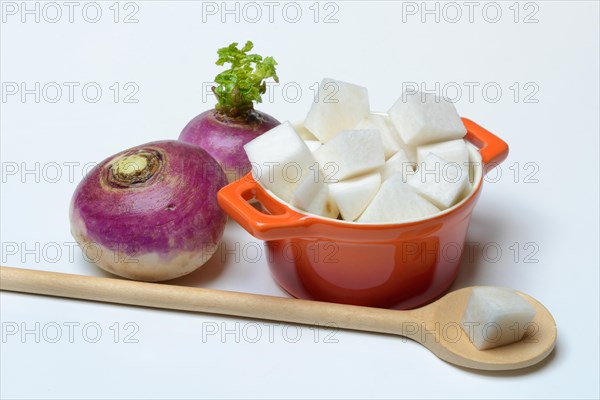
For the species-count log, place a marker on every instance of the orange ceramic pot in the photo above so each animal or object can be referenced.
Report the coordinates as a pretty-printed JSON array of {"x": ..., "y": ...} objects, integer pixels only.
[{"x": 398, "y": 265}]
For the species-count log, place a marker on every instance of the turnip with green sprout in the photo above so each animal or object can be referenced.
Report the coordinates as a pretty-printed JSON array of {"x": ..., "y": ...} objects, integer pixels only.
[{"x": 224, "y": 130}]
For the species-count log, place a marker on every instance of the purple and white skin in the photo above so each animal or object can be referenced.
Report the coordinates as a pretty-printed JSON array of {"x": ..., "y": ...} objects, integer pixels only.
[
  {"x": 224, "y": 130},
  {"x": 150, "y": 213},
  {"x": 224, "y": 137}
]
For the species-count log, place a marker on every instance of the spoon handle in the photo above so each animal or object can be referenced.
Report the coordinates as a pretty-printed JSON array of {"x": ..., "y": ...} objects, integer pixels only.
[{"x": 207, "y": 301}]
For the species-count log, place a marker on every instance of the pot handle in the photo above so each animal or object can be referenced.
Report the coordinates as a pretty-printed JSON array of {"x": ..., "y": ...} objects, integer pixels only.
[
  {"x": 493, "y": 150},
  {"x": 279, "y": 223}
]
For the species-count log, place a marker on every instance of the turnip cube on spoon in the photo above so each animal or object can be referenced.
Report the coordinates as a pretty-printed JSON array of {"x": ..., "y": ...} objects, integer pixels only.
[
  {"x": 351, "y": 153},
  {"x": 397, "y": 201},
  {"x": 496, "y": 316},
  {"x": 352, "y": 196},
  {"x": 422, "y": 118},
  {"x": 339, "y": 106},
  {"x": 440, "y": 182},
  {"x": 280, "y": 160},
  {"x": 454, "y": 151}
]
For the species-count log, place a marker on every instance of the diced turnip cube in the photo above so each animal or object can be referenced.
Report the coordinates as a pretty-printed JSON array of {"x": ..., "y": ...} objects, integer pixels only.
[
  {"x": 454, "y": 151},
  {"x": 312, "y": 195},
  {"x": 422, "y": 118},
  {"x": 280, "y": 160},
  {"x": 411, "y": 154},
  {"x": 496, "y": 316},
  {"x": 303, "y": 132},
  {"x": 352, "y": 196},
  {"x": 331, "y": 209},
  {"x": 351, "y": 153},
  {"x": 399, "y": 162},
  {"x": 313, "y": 144},
  {"x": 340, "y": 106},
  {"x": 440, "y": 182},
  {"x": 396, "y": 201},
  {"x": 389, "y": 137}
]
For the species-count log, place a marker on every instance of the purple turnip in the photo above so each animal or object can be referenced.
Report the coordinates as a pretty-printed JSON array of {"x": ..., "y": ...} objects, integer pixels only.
[
  {"x": 150, "y": 213},
  {"x": 224, "y": 130}
]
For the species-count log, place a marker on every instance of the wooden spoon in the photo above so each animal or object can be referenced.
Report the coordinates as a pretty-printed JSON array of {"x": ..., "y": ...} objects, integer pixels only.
[{"x": 436, "y": 326}]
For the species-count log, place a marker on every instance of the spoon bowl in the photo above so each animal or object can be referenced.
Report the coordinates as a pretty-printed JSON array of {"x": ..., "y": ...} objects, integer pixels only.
[{"x": 450, "y": 343}]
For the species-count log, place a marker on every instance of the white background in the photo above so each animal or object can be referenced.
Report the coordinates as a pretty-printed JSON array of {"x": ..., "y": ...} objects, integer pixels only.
[{"x": 549, "y": 207}]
